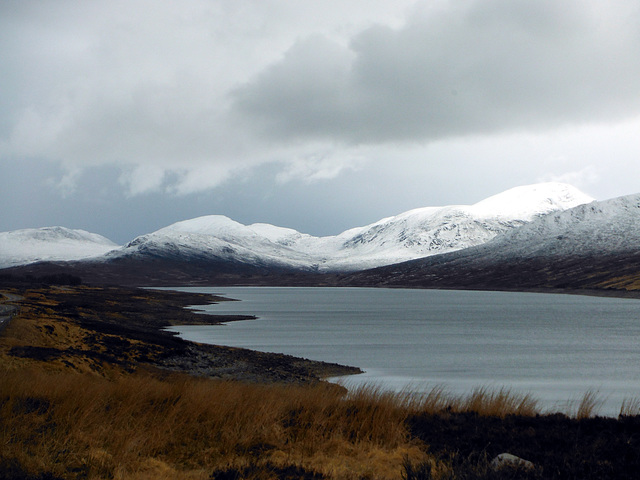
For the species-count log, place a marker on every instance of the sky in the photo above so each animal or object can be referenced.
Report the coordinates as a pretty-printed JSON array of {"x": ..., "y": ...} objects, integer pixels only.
[{"x": 121, "y": 117}]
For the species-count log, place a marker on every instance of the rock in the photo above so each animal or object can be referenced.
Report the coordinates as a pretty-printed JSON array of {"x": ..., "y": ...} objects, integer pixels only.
[{"x": 509, "y": 460}]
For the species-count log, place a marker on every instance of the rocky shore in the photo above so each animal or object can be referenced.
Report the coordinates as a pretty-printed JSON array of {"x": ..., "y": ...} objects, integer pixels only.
[{"x": 100, "y": 329}]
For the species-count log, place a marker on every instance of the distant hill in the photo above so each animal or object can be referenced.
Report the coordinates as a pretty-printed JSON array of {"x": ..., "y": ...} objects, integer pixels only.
[
  {"x": 413, "y": 234},
  {"x": 20, "y": 247},
  {"x": 593, "y": 246}
]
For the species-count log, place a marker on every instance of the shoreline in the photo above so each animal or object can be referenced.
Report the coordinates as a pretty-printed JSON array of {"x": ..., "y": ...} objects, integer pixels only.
[
  {"x": 102, "y": 330},
  {"x": 167, "y": 307},
  {"x": 589, "y": 292}
]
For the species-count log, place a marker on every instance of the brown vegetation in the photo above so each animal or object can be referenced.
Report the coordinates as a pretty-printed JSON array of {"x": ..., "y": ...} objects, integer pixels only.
[
  {"x": 138, "y": 426},
  {"x": 144, "y": 426}
]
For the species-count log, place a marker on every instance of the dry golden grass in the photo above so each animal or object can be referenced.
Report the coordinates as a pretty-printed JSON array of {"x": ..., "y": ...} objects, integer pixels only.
[
  {"x": 142, "y": 427},
  {"x": 499, "y": 403},
  {"x": 630, "y": 407},
  {"x": 626, "y": 282},
  {"x": 45, "y": 330},
  {"x": 484, "y": 401},
  {"x": 589, "y": 405}
]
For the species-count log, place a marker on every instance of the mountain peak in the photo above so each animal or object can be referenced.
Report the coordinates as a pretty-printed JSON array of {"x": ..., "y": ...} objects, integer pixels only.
[
  {"x": 417, "y": 233},
  {"x": 207, "y": 224},
  {"x": 530, "y": 201}
]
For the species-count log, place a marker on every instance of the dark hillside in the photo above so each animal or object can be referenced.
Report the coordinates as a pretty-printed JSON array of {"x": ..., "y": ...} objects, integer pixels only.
[{"x": 614, "y": 274}]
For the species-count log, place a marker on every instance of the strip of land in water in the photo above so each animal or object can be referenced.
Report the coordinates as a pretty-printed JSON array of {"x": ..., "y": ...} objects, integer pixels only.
[{"x": 99, "y": 329}]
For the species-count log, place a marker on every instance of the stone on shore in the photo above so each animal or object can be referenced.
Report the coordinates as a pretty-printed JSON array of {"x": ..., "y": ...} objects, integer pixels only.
[{"x": 508, "y": 460}]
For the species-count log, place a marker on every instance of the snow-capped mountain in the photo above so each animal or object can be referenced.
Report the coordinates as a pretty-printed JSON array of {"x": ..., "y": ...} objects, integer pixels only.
[
  {"x": 176, "y": 245},
  {"x": 598, "y": 228},
  {"x": 435, "y": 230},
  {"x": 20, "y": 247},
  {"x": 595, "y": 245},
  {"x": 413, "y": 234}
]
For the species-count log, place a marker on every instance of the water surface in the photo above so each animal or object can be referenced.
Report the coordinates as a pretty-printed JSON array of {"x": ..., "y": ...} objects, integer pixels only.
[{"x": 556, "y": 347}]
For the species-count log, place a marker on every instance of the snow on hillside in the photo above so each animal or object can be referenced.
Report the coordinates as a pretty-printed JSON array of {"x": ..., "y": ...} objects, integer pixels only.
[
  {"x": 531, "y": 201},
  {"x": 609, "y": 226},
  {"x": 20, "y": 247},
  {"x": 434, "y": 230},
  {"x": 216, "y": 238},
  {"x": 413, "y": 234},
  {"x": 190, "y": 246}
]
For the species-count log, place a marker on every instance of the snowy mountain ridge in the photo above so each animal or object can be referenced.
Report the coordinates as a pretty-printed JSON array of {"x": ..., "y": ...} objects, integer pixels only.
[
  {"x": 217, "y": 239},
  {"x": 417, "y": 233},
  {"x": 594, "y": 246},
  {"x": 608, "y": 226}
]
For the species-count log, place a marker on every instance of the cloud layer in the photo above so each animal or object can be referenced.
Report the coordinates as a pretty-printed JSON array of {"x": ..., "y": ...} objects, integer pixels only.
[
  {"x": 456, "y": 68},
  {"x": 182, "y": 97}
]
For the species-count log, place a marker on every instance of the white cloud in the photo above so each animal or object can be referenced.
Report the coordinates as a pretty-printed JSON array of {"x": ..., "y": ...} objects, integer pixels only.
[
  {"x": 582, "y": 178},
  {"x": 66, "y": 185},
  {"x": 144, "y": 84},
  {"x": 200, "y": 178},
  {"x": 321, "y": 165},
  {"x": 143, "y": 179}
]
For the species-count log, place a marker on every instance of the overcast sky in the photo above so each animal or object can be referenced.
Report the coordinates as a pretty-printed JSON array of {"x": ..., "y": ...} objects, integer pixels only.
[{"x": 121, "y": 117}]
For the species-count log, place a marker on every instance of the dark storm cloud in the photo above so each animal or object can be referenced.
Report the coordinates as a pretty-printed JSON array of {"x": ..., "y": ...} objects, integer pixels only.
[{"x": 455, "y": 68}]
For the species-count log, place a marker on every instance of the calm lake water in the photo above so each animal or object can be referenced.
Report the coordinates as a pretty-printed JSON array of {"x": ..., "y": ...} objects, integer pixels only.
[{"x": 556, "y": 347}]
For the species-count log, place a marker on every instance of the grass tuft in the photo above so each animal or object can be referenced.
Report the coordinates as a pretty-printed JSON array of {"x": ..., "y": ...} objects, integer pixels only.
[
  {"x": 589, "y": 405},
  {"x": 500, "y": 403},
  {"x": 630, "y": 407}
]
